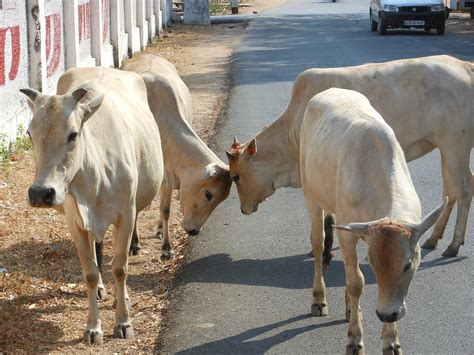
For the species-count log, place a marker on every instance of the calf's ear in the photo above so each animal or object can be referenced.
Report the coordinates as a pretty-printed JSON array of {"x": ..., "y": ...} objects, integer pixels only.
[
  {"x": 31, "y": 95},
  {"x": 431, "y": 218},
  {"x": 251, "y": 149}
]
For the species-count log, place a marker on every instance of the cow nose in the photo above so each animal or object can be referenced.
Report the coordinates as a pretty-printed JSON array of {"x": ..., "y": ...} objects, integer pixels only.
[
  {"x": 387, "y": 318},
  {"x": 41, "y": 197},
  {"x": 193, "y": 232}
]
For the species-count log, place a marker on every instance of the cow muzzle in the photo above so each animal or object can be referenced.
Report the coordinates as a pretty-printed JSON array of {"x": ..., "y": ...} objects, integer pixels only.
[
  {"x": 40, "y": 196},
  {"x": 248, "y": 211},
  {"x": 393, "y": 316}
]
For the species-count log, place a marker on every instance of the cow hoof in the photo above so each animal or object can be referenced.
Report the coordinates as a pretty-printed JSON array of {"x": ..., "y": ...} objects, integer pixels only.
[
  {"x": 430, "y": 244},
  {"x": 134, "y": 250},
  {"x": 451, "y": 252},
  {"x": 101, "y": 293},
  {"x": 93, "y": 337},
  {"x": 393, "y": 349},
  {"x": 319, "y": 310},
  {"x": 165, "y": 255},
  {"x": 123, "y": 331},
  {"x": 355, "y": 349}
]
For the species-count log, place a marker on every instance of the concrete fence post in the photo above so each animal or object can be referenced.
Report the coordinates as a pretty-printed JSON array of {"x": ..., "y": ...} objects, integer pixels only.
[
  {"x": 37, "y": 44},
  {"x": 158, "y": 16},
  {"x": 130, "y": 27},
  {"x": 142, "y": 23},
  {"x": 150, "y": 18},
  {"x": 71, "y": 34},
  {"x": 196, "y": 12}
]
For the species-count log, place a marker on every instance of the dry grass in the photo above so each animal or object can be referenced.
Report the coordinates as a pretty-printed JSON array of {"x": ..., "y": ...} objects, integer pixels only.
[{"x": 43, "y": 305}]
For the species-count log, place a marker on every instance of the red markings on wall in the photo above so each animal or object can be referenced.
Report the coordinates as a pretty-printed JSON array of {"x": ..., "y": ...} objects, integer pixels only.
[
  {"x": 15, "y": 52},
  {"x": 84, "y": 15},
  {"x": 53, "y": 59},
  {"x": 105, "y": 14}
]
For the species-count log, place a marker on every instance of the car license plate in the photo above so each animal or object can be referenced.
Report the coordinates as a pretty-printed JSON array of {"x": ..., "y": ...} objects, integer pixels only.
[{"x": 414, "y": 22}]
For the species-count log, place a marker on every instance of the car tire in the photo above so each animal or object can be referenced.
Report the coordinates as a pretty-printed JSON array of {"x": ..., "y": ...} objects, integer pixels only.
[
  {"x": 382, "y": 27},
  {"x": 440, "y": 29}
]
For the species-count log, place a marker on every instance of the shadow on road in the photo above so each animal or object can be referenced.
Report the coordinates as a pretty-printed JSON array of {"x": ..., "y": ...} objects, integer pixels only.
[
  {"x": 291, "y": 272},
  {"x": 243, "y": 344}
]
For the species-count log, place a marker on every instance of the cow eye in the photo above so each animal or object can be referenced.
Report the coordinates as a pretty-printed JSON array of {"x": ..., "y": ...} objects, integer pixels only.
[
  {"x": 208, "y": 195},
  {"x": 72, "y": 137},
  {"x": 236, "y": 178},
  {"x": 407, "y": 267}
]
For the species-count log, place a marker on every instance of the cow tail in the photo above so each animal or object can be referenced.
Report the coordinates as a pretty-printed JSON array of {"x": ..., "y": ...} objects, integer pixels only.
[
  {"x": 328, "y": 239},
  {"x": 98, "y": 253}
]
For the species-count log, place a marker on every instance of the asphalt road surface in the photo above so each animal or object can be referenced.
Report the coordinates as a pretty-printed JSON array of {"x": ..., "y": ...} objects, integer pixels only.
[{"x": 247, "y": 286}]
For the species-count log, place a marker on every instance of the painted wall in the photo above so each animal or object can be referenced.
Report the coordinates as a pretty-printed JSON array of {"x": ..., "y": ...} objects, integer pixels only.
[{"x": 40, "y": 39}]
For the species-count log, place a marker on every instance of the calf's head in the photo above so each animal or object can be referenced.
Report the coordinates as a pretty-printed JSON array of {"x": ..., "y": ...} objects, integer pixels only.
[
  {"x": 55, "y": 131},
  {"x": 251, "y": 173},
  {"x": 394, "y": 256},
  {"x": 200, "y": 193}
]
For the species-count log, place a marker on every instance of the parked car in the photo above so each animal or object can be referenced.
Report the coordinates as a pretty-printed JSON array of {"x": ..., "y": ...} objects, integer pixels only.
[{"x": 426, "y": 14}]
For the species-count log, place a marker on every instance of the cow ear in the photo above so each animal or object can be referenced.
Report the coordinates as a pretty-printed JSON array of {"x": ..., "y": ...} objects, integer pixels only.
[
  {"x": 31, "y": 95},
  {"x": 251, "y": 149},
  {"x": 209, "y": 171},
  {"x": 363, "y": 229},
  {"x": 90, "y": 106}
]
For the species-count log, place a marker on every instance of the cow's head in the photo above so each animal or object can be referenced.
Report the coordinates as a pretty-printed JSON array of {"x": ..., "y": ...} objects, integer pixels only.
[
  {"x": 394, "y": 255},
  {"x": 253, "y": 176},
  {"x": 55, "y": 131},
  {"x": 200, "y": 192}
]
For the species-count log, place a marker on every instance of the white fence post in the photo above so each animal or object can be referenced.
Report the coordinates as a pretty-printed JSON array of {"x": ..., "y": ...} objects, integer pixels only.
[
  {"x": 150, "y": 18},
  {"x": 71, "y": 34},
  {"x": 130, "y": 27},
  {"x": 141, "y": 23}
]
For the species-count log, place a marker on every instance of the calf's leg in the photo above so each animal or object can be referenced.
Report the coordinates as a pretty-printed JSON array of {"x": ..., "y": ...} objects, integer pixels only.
[
  {"x": 121, "y": 238},
  {"x": 84, "y": 244},
  {"x": 355, "y": 284},
  {"x": 319, "y": 306},
  {"x": 390, "y": 341},
  {"x": 165, "y": 208}
]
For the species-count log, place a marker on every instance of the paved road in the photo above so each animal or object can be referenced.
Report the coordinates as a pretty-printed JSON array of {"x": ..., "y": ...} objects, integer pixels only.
[{"x": 247, "y": 286}]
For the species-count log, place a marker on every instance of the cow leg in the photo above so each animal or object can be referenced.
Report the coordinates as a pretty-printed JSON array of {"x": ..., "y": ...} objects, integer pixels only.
[
  {"x": 165, "y": 208},
  {"x": 84, "y": 245},
  {"x": 319, "y": 307},
  {"x": 462, "y": 182},
  {"x": 121, "y": 239},
  {"x": 135, "y": 244},
  {"x": 390, "y": 341},
  {"x": 440, "y": 225},
  {"x": 97, "y": 252},
  {"x": 355, "y": 284}
]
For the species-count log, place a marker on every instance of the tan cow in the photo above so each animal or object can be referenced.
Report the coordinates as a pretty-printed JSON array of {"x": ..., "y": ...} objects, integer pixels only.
[
  {"x": 98, "y": 160},
  {"x": 352, "y": 165},
  {"x": 427, "y": 102},
  {"x": 202, "y": 179}
]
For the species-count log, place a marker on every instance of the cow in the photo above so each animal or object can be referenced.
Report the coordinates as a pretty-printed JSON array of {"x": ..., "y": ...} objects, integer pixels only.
[
  {"x": 98, "y": 160},
  {"x": 352, "y": 165},
  {"x": 202, "y": 179},
  {"x": 427, "y": 102}
]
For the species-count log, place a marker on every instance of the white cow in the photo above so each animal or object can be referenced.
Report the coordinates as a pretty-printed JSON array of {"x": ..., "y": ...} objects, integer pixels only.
[
  {"x": 429, "y": 104},
  {"x": 202, "y": 179},
  {"x": 352, "y": 165},
  {"x": 98, "y": 160}
]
